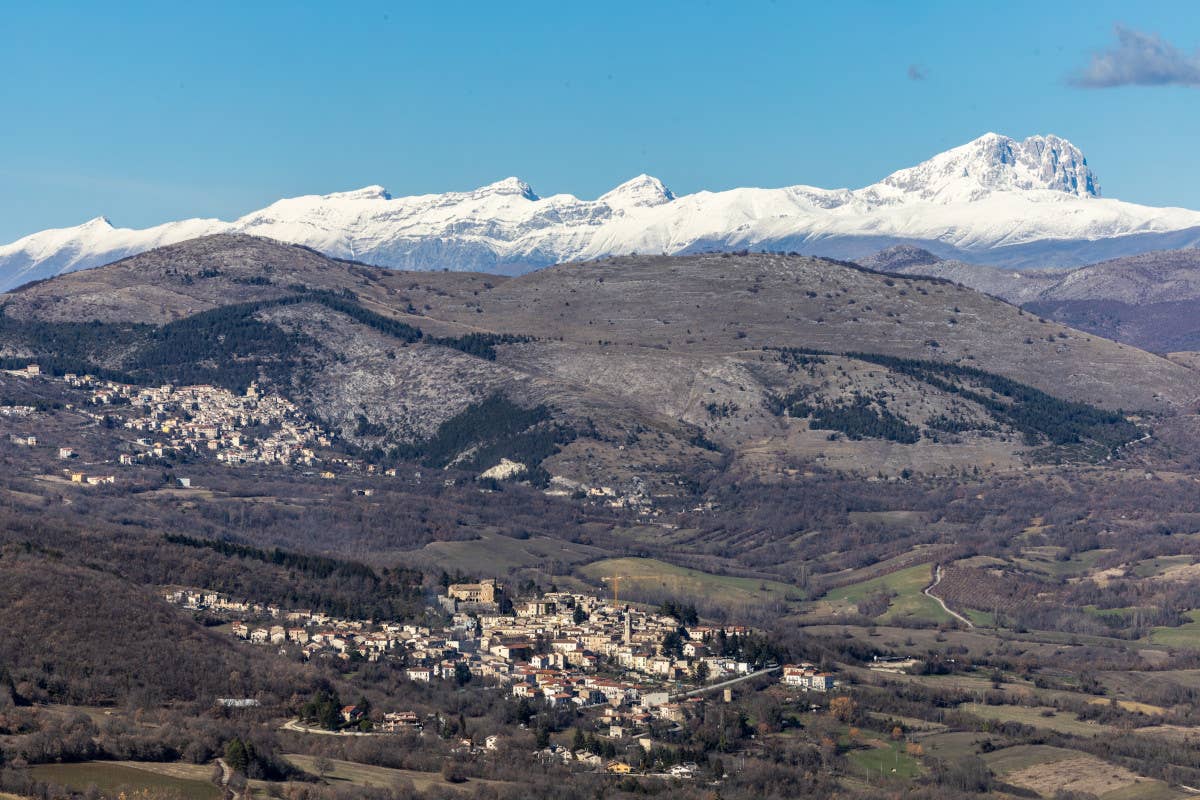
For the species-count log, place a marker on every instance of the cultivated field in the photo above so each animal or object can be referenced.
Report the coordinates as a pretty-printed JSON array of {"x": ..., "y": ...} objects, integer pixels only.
[
  {"x": 1186, "y": 636},
  {"x": 112, "y": 777},
  {"x": 909, "y": 601},
  {"x": 1060, "y": 721},
  {"x": 1083, "y": 774},
  {"x": 648, "y": 575},
  {"x": 885, "y": 759},
  {"x": 348, "y": 773}
]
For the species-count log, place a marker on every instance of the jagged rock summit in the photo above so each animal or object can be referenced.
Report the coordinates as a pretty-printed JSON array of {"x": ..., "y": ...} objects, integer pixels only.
[{"x": 995, "y": 163}]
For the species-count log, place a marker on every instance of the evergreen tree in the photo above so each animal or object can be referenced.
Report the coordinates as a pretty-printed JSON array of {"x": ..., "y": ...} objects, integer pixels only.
[
  {"x": 236, "y": 756},
  {"x": 462, "y": 674}
]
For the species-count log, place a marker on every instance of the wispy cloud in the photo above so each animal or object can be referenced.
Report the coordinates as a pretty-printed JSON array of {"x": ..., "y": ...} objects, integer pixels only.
[
  {"x": 1139, "y": 59},
  {"x": 916, "y": 72}
]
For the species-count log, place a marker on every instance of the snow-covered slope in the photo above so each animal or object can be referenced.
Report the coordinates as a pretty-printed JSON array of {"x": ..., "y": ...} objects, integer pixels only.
[
  {"x": 995, "y": 200},
  {"x": 95, "y": 242}
]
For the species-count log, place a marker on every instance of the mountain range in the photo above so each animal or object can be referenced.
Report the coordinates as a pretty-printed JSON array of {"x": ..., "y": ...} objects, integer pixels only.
[
  {"x": 995, "y": 200},
  {"x": 1150, "y": 300}
]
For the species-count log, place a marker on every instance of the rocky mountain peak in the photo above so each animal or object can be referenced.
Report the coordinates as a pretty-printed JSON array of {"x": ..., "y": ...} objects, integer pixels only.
[
  {"x": 373, "y": 192},
  {"x": 509, "y": 186},
  {"x": 642, "y": 191},
  {"x": 996, "y": 163}
]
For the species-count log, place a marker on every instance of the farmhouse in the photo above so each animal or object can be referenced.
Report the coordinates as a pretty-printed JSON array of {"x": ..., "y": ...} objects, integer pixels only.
[
  {"x": 806, "y": 676},
  {"x": 400, "y": 721}
]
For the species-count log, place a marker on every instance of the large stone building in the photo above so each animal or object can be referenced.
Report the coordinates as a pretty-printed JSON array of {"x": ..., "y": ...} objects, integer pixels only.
[
  {"x": 482, "y": 592},
  {"x": 482, "y": 596}
]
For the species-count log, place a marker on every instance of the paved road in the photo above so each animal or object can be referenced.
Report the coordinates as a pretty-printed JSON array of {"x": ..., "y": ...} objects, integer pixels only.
[
  {"x": 294, "y": 725},
  {"x": 714, "y": 687},
  {"x": 937, "y": 578}
]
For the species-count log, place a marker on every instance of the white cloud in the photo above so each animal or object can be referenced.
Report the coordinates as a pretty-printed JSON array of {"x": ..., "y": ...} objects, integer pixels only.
[{"x": 1139, "y": 59}]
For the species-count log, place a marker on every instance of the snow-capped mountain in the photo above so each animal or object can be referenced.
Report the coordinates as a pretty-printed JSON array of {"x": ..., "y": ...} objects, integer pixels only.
[
  {"x": 995, "y": 200},
  {"x": 997, "y": 163}
]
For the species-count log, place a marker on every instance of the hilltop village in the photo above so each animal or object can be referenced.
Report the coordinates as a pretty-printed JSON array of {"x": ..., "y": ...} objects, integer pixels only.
[{"x": 557, "y": 648}]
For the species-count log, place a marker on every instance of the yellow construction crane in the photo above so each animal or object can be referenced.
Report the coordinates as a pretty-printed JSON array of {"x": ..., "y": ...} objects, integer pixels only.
[{"x": 615, "y": 580}]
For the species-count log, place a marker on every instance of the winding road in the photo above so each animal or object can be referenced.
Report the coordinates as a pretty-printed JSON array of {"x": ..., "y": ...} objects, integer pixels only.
[
  {"x": 937, "y": 578},
  {"x": 296, "y": 726}
]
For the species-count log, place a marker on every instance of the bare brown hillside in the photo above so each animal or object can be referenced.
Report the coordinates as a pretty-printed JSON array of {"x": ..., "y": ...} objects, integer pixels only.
[{"x": 662, "y": 367}]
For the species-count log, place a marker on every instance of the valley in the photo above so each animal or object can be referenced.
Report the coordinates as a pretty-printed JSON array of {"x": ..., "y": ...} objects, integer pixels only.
[
  {"x": 647, "y": 401},
  {"x": 979, "y": 523}
]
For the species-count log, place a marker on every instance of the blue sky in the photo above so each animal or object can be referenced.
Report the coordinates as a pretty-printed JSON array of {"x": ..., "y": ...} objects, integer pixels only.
[{"x": 151, "y": 112}]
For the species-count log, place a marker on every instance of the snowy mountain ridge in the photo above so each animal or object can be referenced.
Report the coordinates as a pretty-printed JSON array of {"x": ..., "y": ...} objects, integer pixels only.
[{"x": 1031, "y": 203}]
